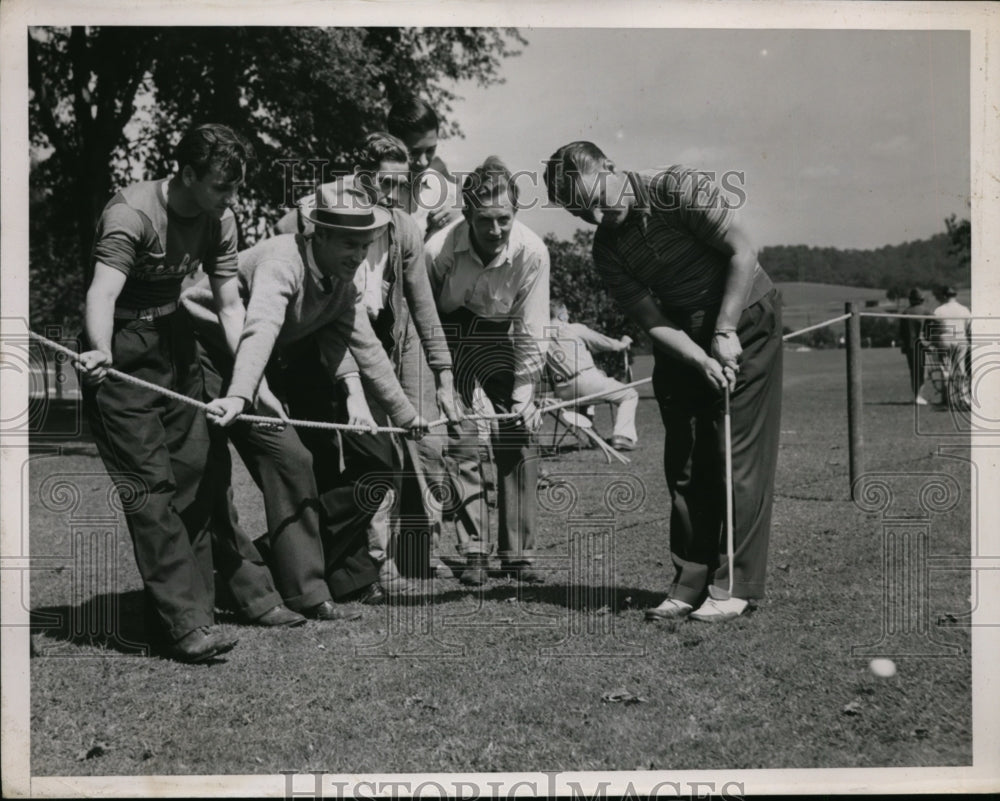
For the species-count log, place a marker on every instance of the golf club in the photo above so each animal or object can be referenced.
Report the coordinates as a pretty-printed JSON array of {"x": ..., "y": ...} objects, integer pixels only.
[{"x": 728, "y": 434}]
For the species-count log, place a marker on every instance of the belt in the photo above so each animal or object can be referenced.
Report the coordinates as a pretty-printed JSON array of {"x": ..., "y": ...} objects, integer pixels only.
[{"x": 147, "y": 314}]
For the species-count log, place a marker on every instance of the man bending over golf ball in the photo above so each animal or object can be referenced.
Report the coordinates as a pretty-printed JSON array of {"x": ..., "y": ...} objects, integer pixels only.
[{"x": 675, "y": 257}]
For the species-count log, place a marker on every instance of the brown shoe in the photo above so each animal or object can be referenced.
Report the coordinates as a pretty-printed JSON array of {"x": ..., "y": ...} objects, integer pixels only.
[
  {"x": 392, "y": 581},
  {"x": 328, "y": 610},
  {"x": 441, "y": 571},
  {"x": 621, "y": 444},
  {"x": 279, "y": 616},
  {"x": 474, "y": 572},
  {"x": 200, "y": 644}
]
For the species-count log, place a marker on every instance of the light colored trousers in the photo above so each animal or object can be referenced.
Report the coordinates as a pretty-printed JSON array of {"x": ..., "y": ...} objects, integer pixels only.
[{"x": 594, "y": 380}]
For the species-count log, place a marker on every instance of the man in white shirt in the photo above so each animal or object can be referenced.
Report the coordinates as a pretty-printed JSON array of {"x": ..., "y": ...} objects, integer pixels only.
[
  {"x": 490, "y": 277},
  {"x": 950, "y": 335},
  {"x": 574, "y": 374},
  {"x": 432, "y": 194}
]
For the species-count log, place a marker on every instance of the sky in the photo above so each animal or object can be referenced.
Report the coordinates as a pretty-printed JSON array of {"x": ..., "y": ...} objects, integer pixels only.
[{"x": 851, "y": 139}]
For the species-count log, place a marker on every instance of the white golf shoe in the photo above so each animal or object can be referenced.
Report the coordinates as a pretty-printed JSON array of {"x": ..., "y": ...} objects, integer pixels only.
[
  {"x": 715, "y": 610},
  {"x": 670, "y": 609}
]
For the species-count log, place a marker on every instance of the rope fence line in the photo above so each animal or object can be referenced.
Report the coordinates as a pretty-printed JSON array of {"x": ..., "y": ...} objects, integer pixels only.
[
  {"x": 901, "y": 315},
  {"x": 544, "y": 406},
  {"x": 814, "y": 327}
]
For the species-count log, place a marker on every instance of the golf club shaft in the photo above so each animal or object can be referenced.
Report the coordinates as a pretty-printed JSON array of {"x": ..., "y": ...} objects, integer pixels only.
[{"x": 728, "y": 433}]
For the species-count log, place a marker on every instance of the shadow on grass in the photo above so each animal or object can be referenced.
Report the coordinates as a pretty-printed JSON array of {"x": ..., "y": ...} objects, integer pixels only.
[
  {"x": 118, "y": 623},
  {"x": 109, "y": 621},
  {"x": 573, "y": 597}
]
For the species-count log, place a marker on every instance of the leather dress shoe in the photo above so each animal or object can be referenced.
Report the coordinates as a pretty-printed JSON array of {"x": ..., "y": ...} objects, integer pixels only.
[
  {"x": 523, "y": 572},
  {"x": 440, "y": 570},
  {"x": 474, "y": 572},
  {"x": 279, "y": 616},
  {"x": 372, "y": 595},
  {"x": 200, "y": 644},
  {"x": 328, "y": 610},
  {"x": 621, "y": 444},
  {"x": 670, "y": 609},
  {"x": 392, "y": 581}
]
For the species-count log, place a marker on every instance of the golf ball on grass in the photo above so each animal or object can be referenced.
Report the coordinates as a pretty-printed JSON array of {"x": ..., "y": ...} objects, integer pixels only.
[{"x": 883, "y": 668}]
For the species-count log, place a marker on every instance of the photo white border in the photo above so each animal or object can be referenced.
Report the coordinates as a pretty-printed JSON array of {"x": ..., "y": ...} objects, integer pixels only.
[{"x": 981, "y": 19}]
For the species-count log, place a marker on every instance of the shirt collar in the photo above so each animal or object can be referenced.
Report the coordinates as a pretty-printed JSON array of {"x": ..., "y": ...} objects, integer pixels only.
[
  {"x": 311, "y": 262},
  {"x": 463, "y": 243}
]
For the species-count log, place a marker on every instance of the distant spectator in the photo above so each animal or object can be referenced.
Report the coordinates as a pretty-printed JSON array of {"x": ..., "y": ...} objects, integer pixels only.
[
  {"x": 950, "y": 335},
  {"x": 912, "y": 343},
  {"x": 574, "y": 374}
]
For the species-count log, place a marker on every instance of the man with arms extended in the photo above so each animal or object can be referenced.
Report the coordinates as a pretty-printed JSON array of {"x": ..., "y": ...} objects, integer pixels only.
[
  {"x": 301, "y": 295},
  {"x": 490, "y": 277},
  {"x": 151, "y": 236},
  {"x": 393, "y": 286},
  {"x": 574, "y": 374},
  {"x": 676, "y": 258}
]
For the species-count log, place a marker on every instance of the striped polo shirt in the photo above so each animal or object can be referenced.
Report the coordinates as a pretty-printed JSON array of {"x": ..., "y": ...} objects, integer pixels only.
[{"x": 671, "y": 243}]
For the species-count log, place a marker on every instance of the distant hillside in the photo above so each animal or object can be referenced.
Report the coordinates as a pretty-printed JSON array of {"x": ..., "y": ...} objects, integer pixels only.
[
  {"x": 795, "y": 293},
  {"x": 896, "y": 268}
]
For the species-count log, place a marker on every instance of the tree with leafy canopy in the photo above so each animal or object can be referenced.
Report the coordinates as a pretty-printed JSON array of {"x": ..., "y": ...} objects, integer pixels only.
[{"x": 107, "y": 105}]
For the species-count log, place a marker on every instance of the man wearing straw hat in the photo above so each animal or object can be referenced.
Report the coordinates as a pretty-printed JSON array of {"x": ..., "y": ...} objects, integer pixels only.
[
  {"x": 674, "y": 255},
  {"x": 300, "y": 294},
  {"x": 392, "y": 280},
  {"x": 151, "y": 236}
]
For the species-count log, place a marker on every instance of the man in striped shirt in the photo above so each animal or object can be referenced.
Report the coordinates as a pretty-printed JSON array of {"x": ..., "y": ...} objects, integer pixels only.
[{"x": 674, "y": 255}]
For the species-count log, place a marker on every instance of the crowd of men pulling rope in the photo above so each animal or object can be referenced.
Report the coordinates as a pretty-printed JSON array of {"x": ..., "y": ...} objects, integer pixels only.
[{"x": 346, "y": 355}]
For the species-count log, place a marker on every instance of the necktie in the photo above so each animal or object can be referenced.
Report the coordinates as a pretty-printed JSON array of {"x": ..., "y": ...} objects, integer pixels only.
[{"x": 327, "y": 283}]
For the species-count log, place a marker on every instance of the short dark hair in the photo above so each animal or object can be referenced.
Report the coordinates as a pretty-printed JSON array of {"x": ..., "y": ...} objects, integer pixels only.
[
  {"x": 489, "y": 181},
  {"x": 409, "y": 116},
  {"x": 213, "y": 145},
  {"x": 567, "y": 161},
  {"x": 379, "y": 147}
]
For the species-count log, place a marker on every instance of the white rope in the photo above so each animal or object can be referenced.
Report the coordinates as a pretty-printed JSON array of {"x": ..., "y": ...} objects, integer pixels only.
[
  {"x": 901, "y": 315},
  {"x": 814, "y": 327},
  {"x": 247, "y": 418}
]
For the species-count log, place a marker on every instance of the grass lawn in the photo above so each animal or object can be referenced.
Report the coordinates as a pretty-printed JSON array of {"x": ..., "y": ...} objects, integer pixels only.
[{"x": 494, "y": 680}]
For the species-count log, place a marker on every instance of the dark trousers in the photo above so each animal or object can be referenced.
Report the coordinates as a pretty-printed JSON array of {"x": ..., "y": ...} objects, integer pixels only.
[
  {"x": 915, "y": 361},
  {"x": 694, "y": 456},
  {"x": 281, "y": 466},
  {"x": 352, "y": 470},
  {"x": 482, "y": 350},
  {"x": 155, "y": 449}
]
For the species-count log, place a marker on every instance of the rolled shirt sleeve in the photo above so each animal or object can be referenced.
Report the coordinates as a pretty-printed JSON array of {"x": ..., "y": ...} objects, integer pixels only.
[
  {"x": 224, "y": 259},
  {"x": 119, "y": 237}
]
